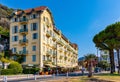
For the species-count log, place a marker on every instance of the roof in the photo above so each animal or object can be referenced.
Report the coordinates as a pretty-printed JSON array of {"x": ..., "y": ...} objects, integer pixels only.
[{"x": 41, "y": 8}]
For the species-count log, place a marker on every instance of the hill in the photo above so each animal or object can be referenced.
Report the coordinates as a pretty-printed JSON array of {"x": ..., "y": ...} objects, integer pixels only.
[{"x": 4, "y": 13}]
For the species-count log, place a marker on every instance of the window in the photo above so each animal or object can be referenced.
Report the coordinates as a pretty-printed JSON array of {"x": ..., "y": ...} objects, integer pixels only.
[
  {"x": 24, "y": 27},
  {"x": 43, "y": 27},
  {"x": 14, "y": 38},
  {"x": 14, "y": 50},
  {"x": 24, "y": 59},
  {"x": 15, "y": 29},
  {"x": 33, "y": 16},
  {"x": 44, "y": 48},
  {"x": 35, "y": 35},
  {"x": 44, "y": 37},
  {"x": 33, "y": 48},
  {"x": 43, "y": 18},
  {"x": 24, "y": 49},
  {"x": 15, "y": 19},
  {"x": 43, "y": 57},
  {"x": 33, "y": 58},
  {"x": 34, "y": 26}
]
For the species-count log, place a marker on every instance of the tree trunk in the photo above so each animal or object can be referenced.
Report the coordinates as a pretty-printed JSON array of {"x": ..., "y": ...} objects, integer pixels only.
[
  {"x": 118, "y": 56},
  {"x": 112, "y": 61}
]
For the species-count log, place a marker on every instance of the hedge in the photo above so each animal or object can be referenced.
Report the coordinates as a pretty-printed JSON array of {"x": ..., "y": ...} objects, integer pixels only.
[
  {"x": 30, "y": 70},
  {"x": 7, "y": 71},
  {"x": 16, "y": 67}
]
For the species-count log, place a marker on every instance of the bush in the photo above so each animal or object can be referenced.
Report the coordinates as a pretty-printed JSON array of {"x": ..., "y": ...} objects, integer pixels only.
[
  {"x": 30, "y": 70},
  {"x": 7, "y": 71},
  {"x": 16, "y": 67}
]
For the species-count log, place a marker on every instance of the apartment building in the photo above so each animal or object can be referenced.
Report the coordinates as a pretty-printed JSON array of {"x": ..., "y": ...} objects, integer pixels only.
[{"x": 33, "y": 34}]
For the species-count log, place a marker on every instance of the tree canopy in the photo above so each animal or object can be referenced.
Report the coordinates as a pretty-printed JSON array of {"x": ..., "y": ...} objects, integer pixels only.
[{"x": 109, "y": 39}]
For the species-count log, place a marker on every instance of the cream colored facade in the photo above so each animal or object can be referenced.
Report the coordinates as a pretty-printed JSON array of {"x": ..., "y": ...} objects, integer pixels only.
[{"x": 50, "y": 45}]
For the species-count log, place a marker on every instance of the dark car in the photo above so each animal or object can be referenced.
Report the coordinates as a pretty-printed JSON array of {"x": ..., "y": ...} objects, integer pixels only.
[{"x": 97, "y": 69}]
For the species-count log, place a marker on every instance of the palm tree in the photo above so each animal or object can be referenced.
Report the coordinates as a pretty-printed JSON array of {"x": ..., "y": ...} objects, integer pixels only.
[{"x": 91, "y": 60}]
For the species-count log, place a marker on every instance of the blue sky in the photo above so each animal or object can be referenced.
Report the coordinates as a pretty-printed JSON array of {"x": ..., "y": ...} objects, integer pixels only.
[{"x": 79, "y": 20}]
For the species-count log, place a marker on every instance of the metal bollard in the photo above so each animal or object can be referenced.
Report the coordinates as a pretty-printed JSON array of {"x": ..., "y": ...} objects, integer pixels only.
[
  {"x": 35, "y": 77},
  {"x": 5, "y": 78},
  {"x": 28, "y": 76},
  {"x": 54, "y": 76},
  {"x": 67, "y": 74}
]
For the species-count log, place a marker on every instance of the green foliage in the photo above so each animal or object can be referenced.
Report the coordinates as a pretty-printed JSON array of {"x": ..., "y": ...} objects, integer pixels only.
[
  {"x": 7, "y": 71},
  {"x": 90, "y": 56},
  {"x": 1, "y": 55},
  {"x": 19, "y": 58},
  {"x": 16, "y": 67},
  {"x": 109, "y": 39},
  {"x": 103, "y": 64},
  {"x": 30, "y": 70},
  {"x": 4, "y": 32}
]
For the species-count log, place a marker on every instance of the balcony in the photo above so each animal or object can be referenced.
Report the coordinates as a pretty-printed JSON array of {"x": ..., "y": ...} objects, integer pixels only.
[
  {"x": 23, "y": 20},
  {"x": 48, "y": 34},
  {"x": 54, "y": 38},
  {"x": 65, "y": 52},
  {"x": 54, "y": 46},
  {"x": 60, "y": 42},
  {"x": 54, "y": 54},
  {"x": 23, "y": 31},
  {"x": 23, "y": 41},
  {"x": 48, "y": 53},
  {"x": 60, "y": 49},
  {"x": 60, "y": 57},
  {"x": 23, "y": 52},
  {"x": 47, "y": 61},
  {"x": 65, "y": 58}
]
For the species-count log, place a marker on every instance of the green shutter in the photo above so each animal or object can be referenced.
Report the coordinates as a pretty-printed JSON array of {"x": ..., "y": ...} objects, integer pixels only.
[{"x": 31, "y": 26}]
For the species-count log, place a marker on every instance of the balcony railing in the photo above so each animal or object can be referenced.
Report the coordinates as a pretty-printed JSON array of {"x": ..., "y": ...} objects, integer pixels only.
[
  {"x": 47, "y": 61},
  {"x": 23, "y": 20},
  {"x": 65, "y": 51},
  {"x": 54, "y": 46},
  {"x": 60, "y": 42},
  {"x": 23, "y": 31},
  {"x": 65, "y": 58},
  {"x": 60, "y": 49},
  {"x": 54, "y": 54},
  {"x": 23, "y": 52},
  {"x": 48, "y": 34},
  {"x": 48, "y": 53},
  {"x": 54, "y": 38},
  {"x": 23, "y": 41}
]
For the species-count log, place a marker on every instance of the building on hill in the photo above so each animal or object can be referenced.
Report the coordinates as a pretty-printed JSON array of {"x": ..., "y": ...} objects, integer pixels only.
[
  {"x": 4, "y": 43},
  {"x": 33, "y": 34},
  {"x": 104, "y": 55}
]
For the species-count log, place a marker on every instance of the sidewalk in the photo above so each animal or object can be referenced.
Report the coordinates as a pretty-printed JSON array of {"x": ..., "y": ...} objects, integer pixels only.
[{"x": 19, "y": 77}]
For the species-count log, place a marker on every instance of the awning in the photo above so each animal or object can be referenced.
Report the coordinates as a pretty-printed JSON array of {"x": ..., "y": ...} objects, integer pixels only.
[
  {"x": 61, "y": 65},
  {"x": 50, "y": 65}
]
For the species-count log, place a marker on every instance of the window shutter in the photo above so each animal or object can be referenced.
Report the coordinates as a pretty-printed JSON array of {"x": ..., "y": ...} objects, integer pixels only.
[
  {"x": 31, "y": 26},
  {"x": 36, "y": 35},
  {"x": 12, "y": 38},
  {"x": 31, "y": 16},
  {"x": 37, "y": 15},
  {"x": 36, "y": 26},
  {"x": 13, "y": 30},
  {"x": 17, "y": 38},
  {"x": 17, "y": 28},
  {"x": 21, "y": 26}
]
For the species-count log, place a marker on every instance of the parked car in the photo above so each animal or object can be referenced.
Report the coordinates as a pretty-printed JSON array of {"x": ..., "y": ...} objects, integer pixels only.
[{"x": 97, "y": 69}]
